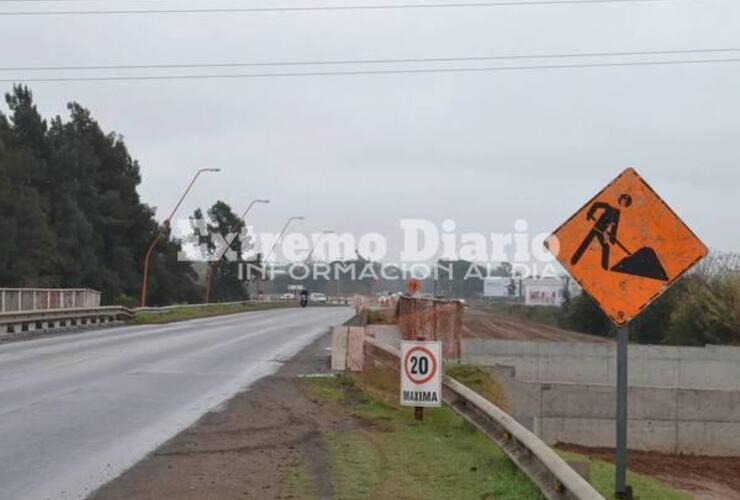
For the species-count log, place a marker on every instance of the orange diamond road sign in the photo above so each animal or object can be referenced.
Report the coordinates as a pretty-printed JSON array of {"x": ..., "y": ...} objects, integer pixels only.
[
  {"x": 625, "y": 246},
  {"x": 412, "y": 286}
]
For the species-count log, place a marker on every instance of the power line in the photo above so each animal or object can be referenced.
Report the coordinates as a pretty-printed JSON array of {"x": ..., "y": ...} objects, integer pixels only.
[
  {"x": 369, "y": 61},
  {"x": 365, "y": 72},
  {"x": 522, "y": 3}
]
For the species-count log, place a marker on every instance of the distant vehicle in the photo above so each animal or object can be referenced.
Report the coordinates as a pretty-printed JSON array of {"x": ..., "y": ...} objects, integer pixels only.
[
  {"x": 319, "y": 298},
  {"x": 287, "y": 296}
]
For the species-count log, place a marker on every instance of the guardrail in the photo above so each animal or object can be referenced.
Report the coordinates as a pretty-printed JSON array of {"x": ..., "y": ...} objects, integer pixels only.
[
  {"x": 553, "y": 476},
  {"x": 48, "y": 319}
]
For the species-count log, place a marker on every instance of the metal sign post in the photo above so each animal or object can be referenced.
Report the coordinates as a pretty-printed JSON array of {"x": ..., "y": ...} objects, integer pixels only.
[
  {"x": 625, "y": 247},
  {"x": 622, "y": 490}
]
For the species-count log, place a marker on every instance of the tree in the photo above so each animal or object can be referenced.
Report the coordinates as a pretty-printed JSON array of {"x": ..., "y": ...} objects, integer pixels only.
[
  {"x": 70, "y": 213},
  {"x": 708, "y": 312},
  {"x": 583, "y": 314},
  {"x": 221, "y": 245}
]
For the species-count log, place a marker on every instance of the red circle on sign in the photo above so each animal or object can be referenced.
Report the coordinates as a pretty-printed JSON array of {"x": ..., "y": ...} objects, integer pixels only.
[{"x": 431, "y": 373}]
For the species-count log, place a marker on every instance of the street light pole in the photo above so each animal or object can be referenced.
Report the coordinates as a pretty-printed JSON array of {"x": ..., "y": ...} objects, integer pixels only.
[
  {"x": 209, "y": 278},
  {"x": 165, "y": 225},
  {"x": 315, "y": 243},
  {"x": 274, "y": 244}
]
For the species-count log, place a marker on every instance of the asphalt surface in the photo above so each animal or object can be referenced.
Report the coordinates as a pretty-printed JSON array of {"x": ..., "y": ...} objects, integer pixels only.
[{"x": 77, "y": 410}]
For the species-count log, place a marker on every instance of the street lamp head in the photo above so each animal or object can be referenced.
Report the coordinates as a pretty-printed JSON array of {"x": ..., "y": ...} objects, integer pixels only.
[
  {"x": 211, "y": 170},
  {"x": 299, "y": 217},
  {"x": 262, "y": 201}
]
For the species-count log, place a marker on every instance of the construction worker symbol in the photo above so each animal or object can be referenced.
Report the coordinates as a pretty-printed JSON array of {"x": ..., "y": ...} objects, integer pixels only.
[
  {"x": 625, "y": 246},
  {"x": 644, "y": 262}
]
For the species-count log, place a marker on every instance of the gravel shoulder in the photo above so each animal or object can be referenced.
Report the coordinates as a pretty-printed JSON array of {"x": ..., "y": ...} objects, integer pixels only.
[{"x": 244, "y": 449}]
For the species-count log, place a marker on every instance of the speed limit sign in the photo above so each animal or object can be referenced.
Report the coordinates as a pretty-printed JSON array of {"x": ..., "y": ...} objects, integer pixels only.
[{"x": 421, "y": 373}]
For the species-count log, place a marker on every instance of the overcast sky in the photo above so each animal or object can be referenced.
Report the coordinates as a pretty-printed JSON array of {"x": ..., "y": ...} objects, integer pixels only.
[{"x": 358, "y": 153}]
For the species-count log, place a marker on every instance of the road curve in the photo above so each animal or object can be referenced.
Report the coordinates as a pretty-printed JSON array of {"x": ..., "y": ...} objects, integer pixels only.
[{"x": 77, "y": 410}]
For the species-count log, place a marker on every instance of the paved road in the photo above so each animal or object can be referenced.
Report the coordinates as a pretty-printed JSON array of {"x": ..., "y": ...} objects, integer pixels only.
[{"x": 77, "y": 410}]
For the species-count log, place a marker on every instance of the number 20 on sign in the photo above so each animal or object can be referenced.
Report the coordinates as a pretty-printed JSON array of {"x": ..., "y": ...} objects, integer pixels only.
[{"x": 421, "y": 373}]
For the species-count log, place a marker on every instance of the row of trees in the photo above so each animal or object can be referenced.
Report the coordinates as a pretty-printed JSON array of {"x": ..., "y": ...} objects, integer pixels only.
[
  {"x": 701, "y": 308},
  {"x": 71, "y": 216}
]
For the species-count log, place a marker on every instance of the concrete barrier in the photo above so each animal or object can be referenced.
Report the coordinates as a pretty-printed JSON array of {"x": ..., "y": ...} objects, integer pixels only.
[
  {"x": 668, "y": 420},
  {"x": 710, "y": 367}
]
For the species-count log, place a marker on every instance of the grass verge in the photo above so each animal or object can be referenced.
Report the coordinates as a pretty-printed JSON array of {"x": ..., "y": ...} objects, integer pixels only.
[
  {"x": 390, "y": 455},
  {"x": 481, "y": 381},
  {"x": 185, "y": 313},
  {"x": 644, "y": 487}
]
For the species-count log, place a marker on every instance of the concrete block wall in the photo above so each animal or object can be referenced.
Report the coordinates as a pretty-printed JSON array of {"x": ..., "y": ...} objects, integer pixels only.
[
  {"x": 668, "y": 420},
  {"x": 711, "y": 367}
]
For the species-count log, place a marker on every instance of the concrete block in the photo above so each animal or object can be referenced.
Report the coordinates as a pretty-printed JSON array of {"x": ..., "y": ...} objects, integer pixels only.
[
  {"x": 653, "y": 372},
  {"x": 651, "y": 435},
  {"x": 701, "y": 405},
  {"x": 526, "y": 366},
  {"x": 578, "y": 349},
  {"x": 650, "y": 403},
  {"x": 355, "y": 355},
  {"x": 387, "y": 334},
  {"x": 708, "y": 438},
  {"x": 339, "y": 339},
  {"x": 524, "y": 398},
  {"x": 582, "y": 431},
  {"x": 713, "y": 367},
  {"x": 724, "y": 352},
  {"x": 577, "y": 401},
  {"x": 656, "y": 352},
  {"x": 654, "y": 435},
  {"x": 570, "y": 368},
  {"x": 700, "y": 353},
  {"x": 709, "y": 374}
]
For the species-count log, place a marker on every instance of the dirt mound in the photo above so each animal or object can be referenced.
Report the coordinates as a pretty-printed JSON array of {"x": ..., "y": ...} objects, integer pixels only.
[{"x": 479, "y": 322}]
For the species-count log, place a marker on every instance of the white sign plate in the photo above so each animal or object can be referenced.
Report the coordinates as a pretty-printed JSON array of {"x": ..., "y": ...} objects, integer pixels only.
[{"x": 421, "y": 373}]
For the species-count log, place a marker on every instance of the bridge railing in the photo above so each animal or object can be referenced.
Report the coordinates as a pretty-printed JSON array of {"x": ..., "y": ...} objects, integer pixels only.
[{"x": 34, "y": 299}]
